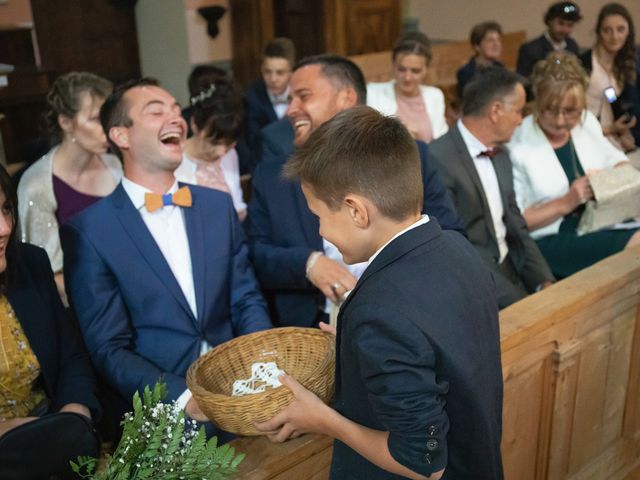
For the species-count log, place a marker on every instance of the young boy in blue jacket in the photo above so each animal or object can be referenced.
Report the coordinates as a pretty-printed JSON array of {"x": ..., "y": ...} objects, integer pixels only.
[{"x": 418, "y": 372}]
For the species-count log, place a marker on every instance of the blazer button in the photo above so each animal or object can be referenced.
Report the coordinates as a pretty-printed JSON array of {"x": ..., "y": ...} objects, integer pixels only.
[
  {"x": 433, "y": 430},
  {"x": 432, "y": 444},
  {"x": 427, "y": 458}
]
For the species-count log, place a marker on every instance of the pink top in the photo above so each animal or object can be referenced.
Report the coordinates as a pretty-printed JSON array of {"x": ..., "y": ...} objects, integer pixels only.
[{"x": 413, "y": 114}]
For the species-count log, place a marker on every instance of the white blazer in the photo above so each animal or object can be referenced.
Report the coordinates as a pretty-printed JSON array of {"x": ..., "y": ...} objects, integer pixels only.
[
  {"x": 382, "y": 97},
  {"x": 538, "y": 176}
]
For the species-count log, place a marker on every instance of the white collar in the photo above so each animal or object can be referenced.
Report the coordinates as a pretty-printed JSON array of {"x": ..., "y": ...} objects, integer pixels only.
[
  {"x": 474, "y": 146},
  {"x": 423, "y": 220},
  {"x": 556, "y": 45},
  {"x": 283, "y": 96},
  {"x": 136, "y": 191}
]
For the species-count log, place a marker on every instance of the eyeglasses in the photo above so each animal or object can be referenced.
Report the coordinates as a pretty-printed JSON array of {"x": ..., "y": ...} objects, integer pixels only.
[
  {"x": 569, "y": 9},
  {"x": 565, "y": 112}
]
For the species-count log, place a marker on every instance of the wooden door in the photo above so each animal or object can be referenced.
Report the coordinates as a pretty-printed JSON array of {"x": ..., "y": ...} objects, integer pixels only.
[
  {"x": 90, "y": 35},
  {"x": 343, "y": 27}
]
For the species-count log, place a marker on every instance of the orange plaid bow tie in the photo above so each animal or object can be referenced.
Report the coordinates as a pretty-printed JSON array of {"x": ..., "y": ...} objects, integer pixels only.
[{"x": 155, "y": 201}]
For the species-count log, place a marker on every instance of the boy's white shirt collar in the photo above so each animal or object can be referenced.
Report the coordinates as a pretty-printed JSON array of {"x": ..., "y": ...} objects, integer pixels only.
[{"x": 423, "y": 220}]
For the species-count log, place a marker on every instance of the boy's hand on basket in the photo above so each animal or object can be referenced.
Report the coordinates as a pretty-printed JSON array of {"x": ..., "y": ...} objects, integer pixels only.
[{"x": 306, "y": 414}]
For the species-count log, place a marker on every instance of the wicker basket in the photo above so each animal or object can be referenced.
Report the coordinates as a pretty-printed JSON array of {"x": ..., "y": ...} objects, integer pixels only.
[{"x": 306, "y": 354}]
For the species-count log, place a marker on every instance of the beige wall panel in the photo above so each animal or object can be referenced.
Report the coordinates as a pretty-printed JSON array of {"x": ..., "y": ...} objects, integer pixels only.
[{"x": 453, "y": 20}]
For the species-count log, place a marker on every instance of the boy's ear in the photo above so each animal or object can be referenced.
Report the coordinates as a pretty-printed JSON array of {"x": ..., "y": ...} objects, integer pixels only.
[{"x": 358, "y": 209}]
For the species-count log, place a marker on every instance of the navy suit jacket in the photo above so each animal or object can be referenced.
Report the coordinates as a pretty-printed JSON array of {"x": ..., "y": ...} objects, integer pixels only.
[
  {"x": 65, "y": 368},
  {"x": 273, "y": 143},
  {"x": 418, "y": 356},
  {"x": 283, "y": 232},
  {"x": 259, "y": 111},
  {"x": 466, "y": 73},
  {"x": 537, "y": 49},
  {"x": 136, "y": 322}
]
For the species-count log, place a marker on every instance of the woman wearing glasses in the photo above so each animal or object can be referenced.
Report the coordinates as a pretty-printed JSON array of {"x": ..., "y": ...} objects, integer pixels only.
[{"x": 554, "y": 152}]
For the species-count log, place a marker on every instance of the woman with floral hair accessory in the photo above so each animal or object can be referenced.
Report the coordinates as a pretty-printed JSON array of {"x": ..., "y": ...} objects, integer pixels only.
[
  {"x": 554, "y": 152},
  {"x": 210, "y": 158}
]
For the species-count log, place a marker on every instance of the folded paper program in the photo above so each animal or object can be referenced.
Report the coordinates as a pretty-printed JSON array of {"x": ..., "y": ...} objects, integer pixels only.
[
  {"x": 263, "y": 376},
  {"x": 617, "y": 198}
]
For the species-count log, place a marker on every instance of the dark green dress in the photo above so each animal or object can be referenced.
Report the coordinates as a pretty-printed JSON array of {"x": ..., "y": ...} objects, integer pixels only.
[{"x": 565, "y": 251}]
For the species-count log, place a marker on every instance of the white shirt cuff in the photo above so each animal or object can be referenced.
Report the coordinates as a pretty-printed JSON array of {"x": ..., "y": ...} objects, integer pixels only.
[{"x": 183, "y": 399}]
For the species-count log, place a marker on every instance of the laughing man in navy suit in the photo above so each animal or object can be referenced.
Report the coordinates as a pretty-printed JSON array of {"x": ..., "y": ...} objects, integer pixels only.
[
  {"x": 301, "y": 272},
  {"x": 157, "y": 273}
]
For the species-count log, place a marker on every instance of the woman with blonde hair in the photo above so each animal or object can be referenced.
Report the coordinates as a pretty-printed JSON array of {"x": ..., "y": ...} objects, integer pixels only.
[
  {"x": 76, "y": 172},
  {"x": 419, "y": 107},
  {"x": 554, "y": 152}
]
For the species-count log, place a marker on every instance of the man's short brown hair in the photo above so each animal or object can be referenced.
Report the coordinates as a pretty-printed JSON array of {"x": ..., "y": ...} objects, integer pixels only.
[
  {"x": 115, "y": 110},
  {"x": 363, "y": 152},
  {"x": 281, "y": 47}
]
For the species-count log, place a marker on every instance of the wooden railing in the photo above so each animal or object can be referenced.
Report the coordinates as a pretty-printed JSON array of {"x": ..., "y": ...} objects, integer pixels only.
[{"x": 571, "y": 365}]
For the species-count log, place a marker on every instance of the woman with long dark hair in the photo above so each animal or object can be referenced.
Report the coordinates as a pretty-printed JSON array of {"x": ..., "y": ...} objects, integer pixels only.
[
  {"x": 611, "y": 64},
  {"x": 210, "y": 158},
  {"x": 44, "y": 368}
]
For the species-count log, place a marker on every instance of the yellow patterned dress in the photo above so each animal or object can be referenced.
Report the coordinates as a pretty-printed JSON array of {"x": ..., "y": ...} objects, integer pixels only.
[{"x": 19, "y": 367}]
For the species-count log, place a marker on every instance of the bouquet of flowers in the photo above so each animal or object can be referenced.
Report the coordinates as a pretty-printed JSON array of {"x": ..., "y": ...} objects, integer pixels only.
[{"x": 158, "y": 443}]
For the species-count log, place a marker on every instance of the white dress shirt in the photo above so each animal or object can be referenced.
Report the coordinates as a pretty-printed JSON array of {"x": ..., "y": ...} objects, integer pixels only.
[
  {"x": 279, "y": 102},
  {"x": 489, "y": 180}
]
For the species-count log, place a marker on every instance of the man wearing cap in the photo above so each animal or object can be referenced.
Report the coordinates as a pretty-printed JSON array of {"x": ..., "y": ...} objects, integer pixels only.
[{"x": 560, "y": 18}]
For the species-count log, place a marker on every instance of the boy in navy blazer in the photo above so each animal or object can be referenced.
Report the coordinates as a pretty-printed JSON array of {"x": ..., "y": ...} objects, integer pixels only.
[
  {"x": 156, "y": 272},
  {"x": 418, "y": 373},
  {"x": 266, "y": 99}
]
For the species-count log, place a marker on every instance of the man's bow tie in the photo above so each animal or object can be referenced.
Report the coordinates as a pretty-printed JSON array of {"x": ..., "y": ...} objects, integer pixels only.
[
  {"x": 155, "y": 201},
  {"x": 490, "y": 153}
]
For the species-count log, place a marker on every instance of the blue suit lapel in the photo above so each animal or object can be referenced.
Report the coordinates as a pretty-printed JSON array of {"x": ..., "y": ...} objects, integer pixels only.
[
  {"x": 263, "y": 95},
  {"x": 140, "y": 236},
  {"x": 310, "y": 223},
  {"x": 195, "y": 233}
]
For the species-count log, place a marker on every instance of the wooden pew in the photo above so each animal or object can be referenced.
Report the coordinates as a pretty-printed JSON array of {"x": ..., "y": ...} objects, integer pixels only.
[{"x": 571, "y": 366}]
